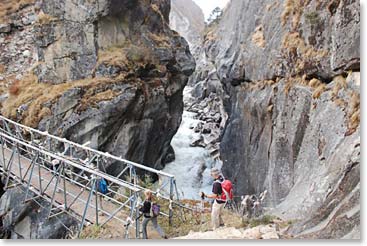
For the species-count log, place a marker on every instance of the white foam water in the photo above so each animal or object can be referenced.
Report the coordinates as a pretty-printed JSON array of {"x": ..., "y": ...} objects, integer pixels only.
[{"x": 192, "y": 165}]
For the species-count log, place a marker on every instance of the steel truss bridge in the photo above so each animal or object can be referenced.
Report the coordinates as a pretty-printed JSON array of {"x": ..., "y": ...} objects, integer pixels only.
[{"x": 66, "y": 175}]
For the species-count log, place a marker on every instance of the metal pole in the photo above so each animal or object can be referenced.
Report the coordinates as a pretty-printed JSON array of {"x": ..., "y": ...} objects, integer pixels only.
[
  {"x": 39, "y": 177},
  {"x": 19, "y": 163},
  {"x": 134, "y": 200},
  {"x": 2, "y": 150},
  {"x": 86, "y": 206},
  {"x": 8, "y": 169},
  {"x": 130, "y": 179},
  {"x": 30, "y": 178},
  {"x": 170, "y": 205},
  {"x": 57, "y": 172},
  {"x": 64, "y": 182},
  {"x": 96, "y": 197},
  {"x": 178, "y": 199}
]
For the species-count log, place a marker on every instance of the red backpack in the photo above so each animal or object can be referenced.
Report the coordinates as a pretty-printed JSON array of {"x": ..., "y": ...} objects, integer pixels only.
[{"x": 227, "y": 189}]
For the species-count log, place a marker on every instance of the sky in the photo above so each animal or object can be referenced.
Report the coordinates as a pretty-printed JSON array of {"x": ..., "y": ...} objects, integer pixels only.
[{"x": 208, "y": 5}]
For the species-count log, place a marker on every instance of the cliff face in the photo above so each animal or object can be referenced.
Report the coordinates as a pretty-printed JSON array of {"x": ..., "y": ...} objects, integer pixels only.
[
  {"x": 291, "y": 82},
  {"x": 113, "y": 79},
  {"x": 29, "y": 220},
  {"x": 187, "y": 18},
  {"x": 286, "y": 38}
]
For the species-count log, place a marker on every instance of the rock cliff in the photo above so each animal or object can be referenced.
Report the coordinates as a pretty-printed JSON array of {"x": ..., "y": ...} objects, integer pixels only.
[
  {"x": 187, "y": 18},
  {"x": 289, "y": 81},
  {"x": 29, "y": 220},
  {"x": 113, "y": 79}
]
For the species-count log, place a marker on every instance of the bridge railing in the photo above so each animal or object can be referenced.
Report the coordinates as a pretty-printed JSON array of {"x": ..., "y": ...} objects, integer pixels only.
[{"x": 60, "y": 159}]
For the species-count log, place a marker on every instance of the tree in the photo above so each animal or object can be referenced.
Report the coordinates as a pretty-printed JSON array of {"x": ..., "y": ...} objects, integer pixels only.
[{"x": 215, "y": 15}]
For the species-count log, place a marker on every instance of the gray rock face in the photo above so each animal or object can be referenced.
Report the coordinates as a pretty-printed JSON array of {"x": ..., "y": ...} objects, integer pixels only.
[
  {"x": 146, "y": 76},
  {"x": 29, "y": 220},
  {"x": 297, "y": 138},
  {"x": 114, "y": 72},
  {"x": 300, "y": 149},
  {"x": 17, "y": 49},
  {"x": 5, "y": 28},
  {"x": 187, "y": 18},
  {"x": 258, "y": 40}
]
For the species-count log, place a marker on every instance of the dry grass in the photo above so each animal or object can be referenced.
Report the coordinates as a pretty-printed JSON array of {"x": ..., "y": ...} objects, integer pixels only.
[
  {"x": 160, "y": 40},
  {"x": 126, "y": 55},
  {"x": 210, "y": 35},
  {"x": 2, "y": 68},
  {"x": 270, "y": 108},
  {"x": 301, "y": 51},
  {"x": 259, "y": 85},
  {"x": 303, "y": 80},
  {"x": 195, "y": 221},
  {"x": 156, "y": 9},
  {"x": 269, "y": 7},
  {"x": 44, "y": 19},
  {"x": 288, "y": 85},
  {"x": 14, "y": 88},
  {"x": 354, "y": 111},
  {"x": 93, "y": 232},
  {"x": 314, "y": 83},
  {"x": 340, "y": 103},
  {"x": 115, "y": 56},
  {"x": 258, "y": 37},
  {"x": 8, "y": 7},
  {"x": 340, "y": 82},
  {"x": 293, "y": 9},
  {"x": 93, "y": 100},
  {"x": 318, "y": 91},
  {"x": 35, "y": 95}
]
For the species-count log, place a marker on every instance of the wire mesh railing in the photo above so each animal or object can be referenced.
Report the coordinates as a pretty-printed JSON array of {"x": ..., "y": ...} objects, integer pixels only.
[{"x": 67, "y": 174}]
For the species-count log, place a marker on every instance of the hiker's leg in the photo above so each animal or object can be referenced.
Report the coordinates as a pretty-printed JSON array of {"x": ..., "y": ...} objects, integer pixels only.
[
  {"x": 157, "y": 227},
  {"x": 220, "y": 214},
  {"x": 215, "y": 215},
  {"x": 145, "y": 223},
  {"x": 101, "y": 201}
]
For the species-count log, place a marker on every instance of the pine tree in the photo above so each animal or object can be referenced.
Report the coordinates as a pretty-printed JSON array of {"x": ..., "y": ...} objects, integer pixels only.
[{"x": 215, "y": 15}]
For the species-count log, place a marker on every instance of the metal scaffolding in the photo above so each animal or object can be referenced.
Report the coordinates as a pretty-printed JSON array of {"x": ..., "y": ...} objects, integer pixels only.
[{"x": 66, "y": 174}]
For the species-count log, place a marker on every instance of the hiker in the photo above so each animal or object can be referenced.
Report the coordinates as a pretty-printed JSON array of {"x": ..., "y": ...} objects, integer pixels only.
[
  {"x": 101, "y": 187},
  {"x": 219, "y": 203},
  {"x": 150, "y": 215}
]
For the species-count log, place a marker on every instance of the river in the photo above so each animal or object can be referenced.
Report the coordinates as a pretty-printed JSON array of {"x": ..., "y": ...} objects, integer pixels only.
[{"x": 192, "y": 165}]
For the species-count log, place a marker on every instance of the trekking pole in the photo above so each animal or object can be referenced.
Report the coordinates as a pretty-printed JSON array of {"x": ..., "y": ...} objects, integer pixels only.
[{"x": 202, "y": 210}]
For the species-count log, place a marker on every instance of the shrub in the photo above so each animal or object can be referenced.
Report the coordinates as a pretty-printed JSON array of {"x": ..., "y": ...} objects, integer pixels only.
[
  {"x": 312, "y": 17},
  {"x": 8, "y": 7},
  {"x": 44, "y": 19},
  {"x": 263, "y": 220},
  {"x": 318, "y": 91},
  {"x": 14, "y": 88}
]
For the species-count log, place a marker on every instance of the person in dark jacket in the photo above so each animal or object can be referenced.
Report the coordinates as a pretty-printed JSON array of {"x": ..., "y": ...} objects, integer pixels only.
[
  {"x": 218, "y": 204},
  {"x": 148, "y": 216}
]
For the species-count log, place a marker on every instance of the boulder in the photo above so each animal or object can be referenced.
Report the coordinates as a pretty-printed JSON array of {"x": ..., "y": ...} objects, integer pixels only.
[
  {"x": 30, "y": 220},
  {"x": 5, "y": 28}
]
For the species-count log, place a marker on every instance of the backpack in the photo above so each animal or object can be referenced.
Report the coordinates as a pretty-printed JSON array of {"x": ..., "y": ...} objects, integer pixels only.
[
  {"x": 102, "y": 186},
  {"x": 156, "y": 208},
  {"x": 227, "y": 189}
]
